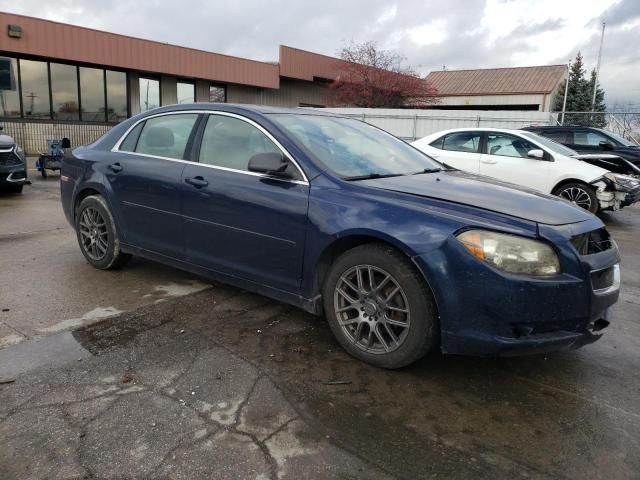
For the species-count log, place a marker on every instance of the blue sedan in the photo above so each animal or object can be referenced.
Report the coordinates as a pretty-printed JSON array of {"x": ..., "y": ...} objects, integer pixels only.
[{"x": 402, "y": 254}]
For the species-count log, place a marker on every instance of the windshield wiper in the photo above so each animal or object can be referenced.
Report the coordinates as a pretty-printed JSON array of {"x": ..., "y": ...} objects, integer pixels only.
[
  {"x": 428, "y": 170},
  {"x": 370, "y": 176}
]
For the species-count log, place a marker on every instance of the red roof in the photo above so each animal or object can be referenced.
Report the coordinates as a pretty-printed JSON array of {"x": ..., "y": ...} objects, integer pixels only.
[{"x": 498, "y": 81}]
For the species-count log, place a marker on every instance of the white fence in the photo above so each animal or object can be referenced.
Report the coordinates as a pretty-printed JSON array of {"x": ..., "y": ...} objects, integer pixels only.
[{"x": 413, "y": 124}]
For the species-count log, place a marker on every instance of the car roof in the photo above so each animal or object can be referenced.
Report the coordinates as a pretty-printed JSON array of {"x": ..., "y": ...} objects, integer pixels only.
[
  {"x": 474, "y": 129},
  {"x": 238, "y": 108}
]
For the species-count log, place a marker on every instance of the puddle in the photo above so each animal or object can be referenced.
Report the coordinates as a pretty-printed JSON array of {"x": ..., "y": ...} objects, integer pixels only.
[{"x": 53, "y": 351}]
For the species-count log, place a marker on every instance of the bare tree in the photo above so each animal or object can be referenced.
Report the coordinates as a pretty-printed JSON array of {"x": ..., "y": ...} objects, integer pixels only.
[{"x": 375, "y": 78}]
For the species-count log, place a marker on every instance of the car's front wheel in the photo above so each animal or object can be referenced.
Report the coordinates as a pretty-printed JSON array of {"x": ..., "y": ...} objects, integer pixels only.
[
  {"x": 579, "y": 193},
  {"x": 97, "y": 234},
  {"x": 379, "y": 306}
]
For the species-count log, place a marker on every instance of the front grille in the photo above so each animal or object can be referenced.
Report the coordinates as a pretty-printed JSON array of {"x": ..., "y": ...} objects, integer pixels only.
[
  {"x": 595, "y": 241},
  {"x": 9, "y": 159}
]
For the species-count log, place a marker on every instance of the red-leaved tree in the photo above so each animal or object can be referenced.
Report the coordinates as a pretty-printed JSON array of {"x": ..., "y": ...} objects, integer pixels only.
[{"x": 375, "y": 78}]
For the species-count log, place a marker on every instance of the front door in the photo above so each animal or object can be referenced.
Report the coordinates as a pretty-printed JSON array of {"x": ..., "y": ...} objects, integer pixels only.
[
  {"x": 238, "y": 222},
  {"x": 506, "y": 158},
  {"x": 145, "y": 176}
]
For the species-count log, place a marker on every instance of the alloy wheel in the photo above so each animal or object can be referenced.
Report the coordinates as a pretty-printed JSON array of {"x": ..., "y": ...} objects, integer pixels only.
[
  {"x": 93, "y": 233},
  {"x": 372, "y": 309},
  {"x": 578, "y": 196}
]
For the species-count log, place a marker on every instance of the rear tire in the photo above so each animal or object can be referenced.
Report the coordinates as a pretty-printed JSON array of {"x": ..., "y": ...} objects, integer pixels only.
[
  {"x": 579, "y": 193},
  {"x": 97, "y": 234},
  {"x": 379, "y": 306}
]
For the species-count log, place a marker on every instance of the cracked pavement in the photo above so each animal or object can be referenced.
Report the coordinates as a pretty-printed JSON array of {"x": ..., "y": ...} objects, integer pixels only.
[{"x": 226, "y": 384}]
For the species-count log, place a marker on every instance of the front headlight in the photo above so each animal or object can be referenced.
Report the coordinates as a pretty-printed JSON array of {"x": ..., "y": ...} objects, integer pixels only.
[
  {"x": 622, "y": 182},
  {"x": 511, "y": 253}
]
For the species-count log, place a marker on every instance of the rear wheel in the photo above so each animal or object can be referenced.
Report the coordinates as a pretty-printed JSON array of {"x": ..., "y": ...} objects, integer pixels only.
[
  {"x": 97, "y": 234},
  {"x": 379, "y": 307},
  {"x": 579, "y": 193}
]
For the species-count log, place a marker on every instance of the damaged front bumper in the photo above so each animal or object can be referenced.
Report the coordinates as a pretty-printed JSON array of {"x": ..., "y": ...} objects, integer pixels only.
[{"x": 616, "y": 191}]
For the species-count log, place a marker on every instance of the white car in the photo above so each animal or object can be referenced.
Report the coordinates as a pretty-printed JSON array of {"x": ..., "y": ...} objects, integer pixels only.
[{"x": 527, "y": 159}]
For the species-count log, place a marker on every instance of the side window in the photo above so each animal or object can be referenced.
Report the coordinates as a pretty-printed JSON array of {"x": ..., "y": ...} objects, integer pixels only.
[
  {"x": 166, "y": 136},
  {"x": 559, "y": 136},
  {"x": 592, "y": 139},
  {"x": 462, "y": 142},
  {"x": 437, "y": 143},
  {"x": 129, "y": 143},
  {"x": 230, "y": 143},
  {"x": 508, "y": 145}
]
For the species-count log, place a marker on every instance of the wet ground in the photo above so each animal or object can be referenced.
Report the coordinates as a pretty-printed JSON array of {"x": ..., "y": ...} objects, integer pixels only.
[{"x": 225, "y": 384}]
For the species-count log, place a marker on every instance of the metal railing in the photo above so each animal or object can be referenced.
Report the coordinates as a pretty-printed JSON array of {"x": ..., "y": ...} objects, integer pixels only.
[{"x": 32, "y": 136}]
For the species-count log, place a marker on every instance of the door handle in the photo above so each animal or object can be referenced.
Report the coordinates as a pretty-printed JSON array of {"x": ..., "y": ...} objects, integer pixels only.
[
  {"x": 197, "y": 182},
  {"x": 115, "y": 167},
  {"x": 490, "y": 162}
]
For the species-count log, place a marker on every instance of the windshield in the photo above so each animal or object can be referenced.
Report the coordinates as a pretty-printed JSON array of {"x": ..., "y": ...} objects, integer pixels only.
[
  {"x": 353, "y": 149},
  {"x": 623, "y": 141},
  {"x": 550, "y": 144}
]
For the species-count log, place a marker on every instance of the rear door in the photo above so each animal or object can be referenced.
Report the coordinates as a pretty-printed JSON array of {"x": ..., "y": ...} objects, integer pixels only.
[
  {"x": 239, "y": 222},
  {"x": 506, "y": 158},
  {"x": 459, "y": 149},
  {"x": 145, "y": 177}
]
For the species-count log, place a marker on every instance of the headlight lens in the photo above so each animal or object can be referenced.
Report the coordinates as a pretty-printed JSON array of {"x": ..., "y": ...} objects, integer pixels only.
[
  {"x": 622, "y": 182},
  {"x": 511, "y": 253}
]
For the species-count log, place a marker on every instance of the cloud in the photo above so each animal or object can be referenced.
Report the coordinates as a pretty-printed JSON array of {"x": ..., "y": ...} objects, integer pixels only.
[{"x": 429, "y": 33}]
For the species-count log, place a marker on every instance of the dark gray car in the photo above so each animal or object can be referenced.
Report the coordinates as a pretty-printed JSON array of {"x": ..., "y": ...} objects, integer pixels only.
[{"x": 13, "y": 165}]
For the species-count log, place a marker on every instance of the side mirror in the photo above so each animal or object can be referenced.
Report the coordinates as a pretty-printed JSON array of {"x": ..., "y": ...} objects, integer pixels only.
[
  {"x": 536, "y": 153},
  {"x": 606, "y": 145},
  {"x": 272, "y": 163}
]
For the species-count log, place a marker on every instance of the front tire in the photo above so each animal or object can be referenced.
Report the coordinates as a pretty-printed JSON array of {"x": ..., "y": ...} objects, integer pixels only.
[
  {"x": 579, "y": 193},
  {"x": 379, "y": 306},
  {"x": 97, "y": 234}
]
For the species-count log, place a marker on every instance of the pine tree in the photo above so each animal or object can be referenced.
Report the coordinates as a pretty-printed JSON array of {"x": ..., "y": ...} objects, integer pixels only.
[{"x": 579, "y": 97}]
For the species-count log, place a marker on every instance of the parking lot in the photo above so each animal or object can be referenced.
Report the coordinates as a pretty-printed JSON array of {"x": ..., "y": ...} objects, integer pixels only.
[{"x": 151, "y": 372}]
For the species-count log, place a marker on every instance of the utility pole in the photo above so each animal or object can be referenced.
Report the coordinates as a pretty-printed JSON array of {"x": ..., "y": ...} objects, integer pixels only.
[
  {"x": 595, "y": 84},
  {"x": 566, "y": 92}
]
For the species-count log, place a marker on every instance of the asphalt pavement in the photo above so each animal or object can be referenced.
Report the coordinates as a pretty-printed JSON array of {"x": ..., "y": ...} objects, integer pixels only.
[{"x": 172, "y": 377}]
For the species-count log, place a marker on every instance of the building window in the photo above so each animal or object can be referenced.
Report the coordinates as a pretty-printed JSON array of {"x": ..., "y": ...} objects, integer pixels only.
[
  {"x": 9, "y": 88},
  {"x": 92, "y": 94},
  {"x": 217, "y": 94},
  {"x": 186, "y": 92},
  {"x": 149, "y": 94},
  {"x": 64, "y": 91},
  {"x": 116, "y": 96},
  {"x": 35, "y": 89}
]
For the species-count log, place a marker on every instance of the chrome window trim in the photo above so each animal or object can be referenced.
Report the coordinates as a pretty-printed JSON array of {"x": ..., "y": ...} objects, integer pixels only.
[
  {"x": 305, "y": 181},
  {"x": 615, "y": 286}
]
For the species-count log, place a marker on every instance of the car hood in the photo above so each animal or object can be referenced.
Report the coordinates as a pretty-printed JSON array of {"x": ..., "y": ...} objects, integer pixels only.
[
  {"x": 6, "y": 141},
  {"x": 486, "y": 193}
]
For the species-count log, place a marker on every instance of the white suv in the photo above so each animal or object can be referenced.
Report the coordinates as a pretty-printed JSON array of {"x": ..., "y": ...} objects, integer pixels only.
[{"x": 527, "y": 159}]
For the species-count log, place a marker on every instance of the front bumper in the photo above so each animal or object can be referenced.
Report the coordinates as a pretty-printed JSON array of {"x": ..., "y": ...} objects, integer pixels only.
[
  {"x": 13, "y": 176},
  {"x": 484, "y": 311}
]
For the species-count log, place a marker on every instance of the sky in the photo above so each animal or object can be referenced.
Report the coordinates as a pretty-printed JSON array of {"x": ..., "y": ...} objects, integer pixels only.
[{"x": 458, "y": 34}]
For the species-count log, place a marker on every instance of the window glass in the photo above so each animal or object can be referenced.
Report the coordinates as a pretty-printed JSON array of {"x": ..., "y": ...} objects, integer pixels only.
[
  {"x": 508, "y": 145},
  {"x": 462, "y": 142},
  {"x": 9, "y": 88},
  {"x": 230, "y": 143},
  {"x": 64, "y": 89},
  {"x": 438, "y": 143},
  {"x": 35, "y": 89},
  {"x": 550, "y": 144},
  {"x": 186, "y": 92},
  {"x": 588, "y": 138},
  {"x": 129, "y": 143},
  {"x": 149, "y": 94},
  {"x": 92, "y": 94},
  {"x": 217, "y": 94},
  {"x": 557, "y": 136},
  {"x": 166, "y": 136},
  {"x": 117, "y": 96}
]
